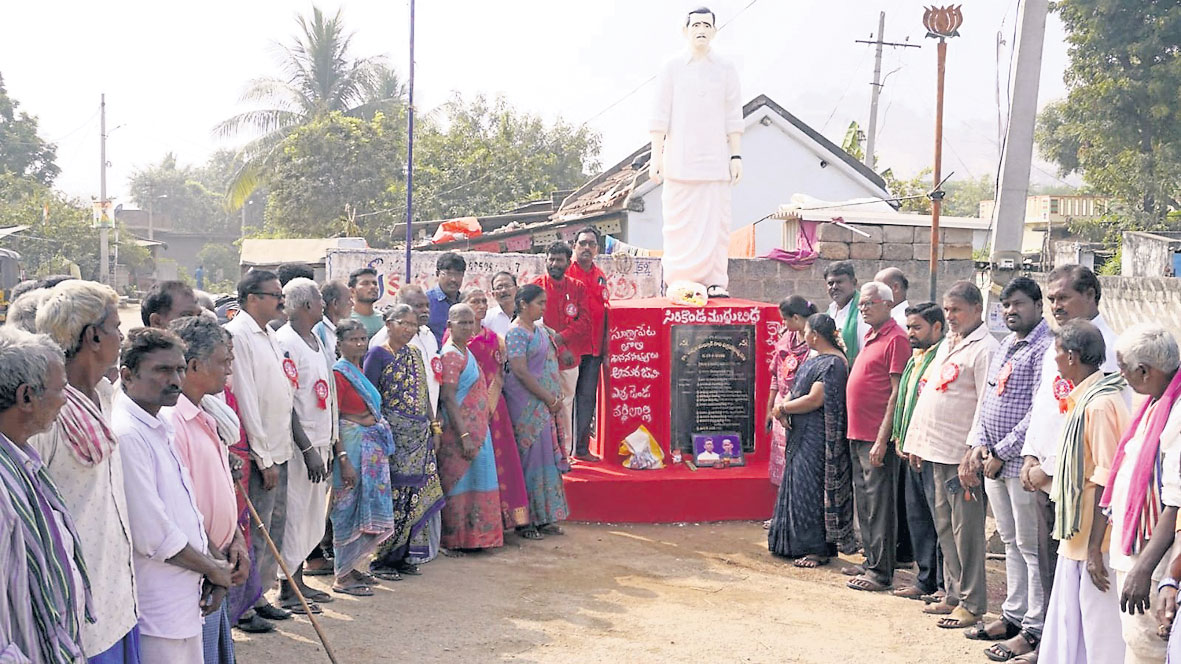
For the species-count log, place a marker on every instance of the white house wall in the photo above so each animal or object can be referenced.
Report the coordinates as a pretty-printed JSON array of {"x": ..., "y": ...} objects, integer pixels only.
[{"x": 779, "y": 160}]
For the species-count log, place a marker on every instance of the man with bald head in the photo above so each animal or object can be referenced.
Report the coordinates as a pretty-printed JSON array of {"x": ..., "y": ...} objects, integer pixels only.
[{"x": 898, "y": 283}]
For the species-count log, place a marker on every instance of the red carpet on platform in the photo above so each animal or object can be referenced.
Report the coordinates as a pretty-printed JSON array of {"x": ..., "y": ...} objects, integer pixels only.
[{"x": 611, "y": 493}]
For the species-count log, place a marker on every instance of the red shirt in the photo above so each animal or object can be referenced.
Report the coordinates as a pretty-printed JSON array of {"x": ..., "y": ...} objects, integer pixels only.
[
  {"x": 597, "y": 295},
  {"x": 566, "y": 314},
  {"x": 885, "y": 352}
]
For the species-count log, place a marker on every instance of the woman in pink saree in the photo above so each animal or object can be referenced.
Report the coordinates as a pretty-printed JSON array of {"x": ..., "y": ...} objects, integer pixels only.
[{"x": 790, "y": 353}]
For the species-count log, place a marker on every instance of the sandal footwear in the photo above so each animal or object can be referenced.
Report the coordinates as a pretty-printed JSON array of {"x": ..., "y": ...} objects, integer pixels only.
[
  {"x": 355, "y": 589},
  {"x": 810, "y": 562},
  {"x": 944, "y": 609},
  {"x": 530, "y": 533},
  {"x": 551, "y": 529},
  {"x": 866, "y": 584},
  {"x": 407, "y": 569},
  {"x": 297, "y": 608},
  {"x": 368, "y": 579},
  {"x": 853, "y": 570},
  {"x": 386, "y": 574},
  {"x": 1000, "y": 652},
  {"x": 909, "y": 592},
  {"x": 313, "y": 595},
  {"x": 959, "y": 618},
  {"x": 979, "y": 632}
]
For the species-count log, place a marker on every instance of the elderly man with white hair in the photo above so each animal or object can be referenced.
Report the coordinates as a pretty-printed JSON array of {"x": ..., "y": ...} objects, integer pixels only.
[
  {"x": 81, "y": 454},
  {"x": 314, "y": 426},
  {"x": 1144, "y": 505},
  {"x": 870, "y": 396},
  {"x": 43, "y": 585}
]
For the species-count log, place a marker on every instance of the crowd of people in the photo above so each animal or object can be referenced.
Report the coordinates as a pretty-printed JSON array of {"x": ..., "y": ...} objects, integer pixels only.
[
  {"x": 367, "y": 441},
  {"x": 894, "y": 426},
  {"x": 370, "y": 440}
]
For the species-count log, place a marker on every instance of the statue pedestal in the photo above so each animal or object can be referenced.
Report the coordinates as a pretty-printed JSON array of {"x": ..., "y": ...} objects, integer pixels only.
[{"x": 685, "y": 374}]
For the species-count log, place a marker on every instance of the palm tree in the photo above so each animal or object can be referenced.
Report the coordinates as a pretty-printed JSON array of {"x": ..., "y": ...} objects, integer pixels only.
[{"x": 321, "y": 77}]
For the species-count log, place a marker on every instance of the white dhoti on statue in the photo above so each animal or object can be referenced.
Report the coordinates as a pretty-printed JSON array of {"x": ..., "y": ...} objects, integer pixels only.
[{"x": 696, "y": 231}]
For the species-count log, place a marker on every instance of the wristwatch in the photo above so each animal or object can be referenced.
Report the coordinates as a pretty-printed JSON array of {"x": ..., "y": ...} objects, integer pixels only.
[{"x": 1167, "y": 582}]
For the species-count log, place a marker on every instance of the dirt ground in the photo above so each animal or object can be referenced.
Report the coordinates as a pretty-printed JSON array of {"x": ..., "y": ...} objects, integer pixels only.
[{"x": 621, "y": 593}]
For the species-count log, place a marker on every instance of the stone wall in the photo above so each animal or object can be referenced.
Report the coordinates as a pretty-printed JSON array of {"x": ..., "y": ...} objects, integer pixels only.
[
  {"x": 766, "y": 280},
  {"x": 1148, "y": 254},
  {"x": 1130, "y": 300}
]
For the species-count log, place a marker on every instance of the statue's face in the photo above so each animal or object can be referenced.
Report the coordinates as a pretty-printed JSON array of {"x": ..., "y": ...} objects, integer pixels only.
[{"x": 700, "y": 31}]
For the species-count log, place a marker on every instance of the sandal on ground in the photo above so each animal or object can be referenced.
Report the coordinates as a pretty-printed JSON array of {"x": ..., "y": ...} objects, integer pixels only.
[
  {"x": 357, "y": 589},
  {"x": 295, "y": 607},
  {"x": 853, "y": 570},
  {"x": 386, "y": 573},
  {"x": 810, "y": 561},
  {"x": 313, "y": 595},
  {"x": 867, "y": 584},
  {"x": 909, "y": 592},
  {"x": 530, "y": 533},
  {"x": 1027, "y": 658},
  {"x": 959, "y": 618},
  {"x": 943, "y": 609},
  {"x": 979, "y": 632},
  {"x": 999, "y": 652},
  {"x": 407, "y": 569},
  {"x": 935, "y": 597},
  {"x": 255, "y": 624},
  {"x": 551, "y": 529},
  {"x": 367, "y": 578}
]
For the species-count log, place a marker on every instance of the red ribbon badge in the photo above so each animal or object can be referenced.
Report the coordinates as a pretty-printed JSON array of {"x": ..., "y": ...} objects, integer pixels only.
[
  {"x": 571, "y": 310},
  {"x": 291, "y": 372},
  {"x": 437, "y": 368},
  {"x": 921, "y": 385},
  {"x": 1003, "y": 377},
  {"x": 321, "y": 390},
  {"x": 791, "y": 363},
  {"x": 1062, "y": 389},
  {"x": 947, "y": 376}
]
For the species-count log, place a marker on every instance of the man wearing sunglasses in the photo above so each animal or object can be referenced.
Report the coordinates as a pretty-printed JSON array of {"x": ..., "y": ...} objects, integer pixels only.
[{"x": 264, "y": 383}]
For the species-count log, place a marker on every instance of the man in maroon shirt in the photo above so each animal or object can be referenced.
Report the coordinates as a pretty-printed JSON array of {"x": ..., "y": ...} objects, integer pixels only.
[
  {"x": 565, "y": 314},
  {"x": 586, "y": 247},
  {"x": 870, "y": 396}
]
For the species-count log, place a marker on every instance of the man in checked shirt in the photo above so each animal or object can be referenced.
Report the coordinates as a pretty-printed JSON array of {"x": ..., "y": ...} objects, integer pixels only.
[{"x": 997, "y": 438}]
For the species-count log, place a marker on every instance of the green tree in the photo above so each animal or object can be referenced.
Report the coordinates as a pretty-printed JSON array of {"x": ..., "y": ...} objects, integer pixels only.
[
  {"x": 321, "y": 76},
  {"x": 176, "y": 193},
  {"x": 22, "y": 152},
  {"x": 1120, "y": 124},
  {"x": 912, "y": 193}
]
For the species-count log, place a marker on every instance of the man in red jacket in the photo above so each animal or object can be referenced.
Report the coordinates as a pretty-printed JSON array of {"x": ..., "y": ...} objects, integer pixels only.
[
  {"x": 586, "y": 247},
  {"x": 565, "y": 314}
]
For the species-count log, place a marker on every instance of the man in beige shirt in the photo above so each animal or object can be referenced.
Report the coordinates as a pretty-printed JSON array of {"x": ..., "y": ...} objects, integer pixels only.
[{"x": 938, "y": 436}]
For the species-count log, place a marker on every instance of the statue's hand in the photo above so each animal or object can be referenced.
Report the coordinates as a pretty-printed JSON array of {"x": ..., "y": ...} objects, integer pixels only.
[{"x": 735, "y": 170}]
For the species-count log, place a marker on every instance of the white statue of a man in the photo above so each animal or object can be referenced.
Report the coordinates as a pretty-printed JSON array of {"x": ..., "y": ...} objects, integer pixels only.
[{"x": 696, "y": 133}]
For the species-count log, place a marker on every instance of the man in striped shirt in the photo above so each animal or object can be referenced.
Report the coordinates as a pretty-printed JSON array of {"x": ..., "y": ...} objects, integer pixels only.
[{"x": 997, "y": 438}]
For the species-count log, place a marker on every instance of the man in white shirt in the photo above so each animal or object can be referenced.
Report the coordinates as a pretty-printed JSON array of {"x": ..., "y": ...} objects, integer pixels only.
[
  {"x": 1148, "y": 359},
  {"x": 264, "y": 385},
  {"x": 314, "y": 427},
  {"x": 899, "y": 285},
  {"x": 1073, "y": 292},
  {"x": 696, "y": 130},
  {"x": 841, "y": 280},
  {"x": 500, "y": 315},
  {"x": 178, "y": 581}
]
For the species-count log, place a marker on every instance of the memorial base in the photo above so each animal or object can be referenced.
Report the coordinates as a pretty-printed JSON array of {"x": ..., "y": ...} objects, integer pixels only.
[
  {"x": 600, "y": 492},
  {"x": 658, "y": 376}
]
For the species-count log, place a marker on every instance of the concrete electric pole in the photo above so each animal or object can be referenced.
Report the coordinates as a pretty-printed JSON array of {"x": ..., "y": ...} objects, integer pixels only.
[
  {"x": 879, "y": 42},
  {"x": 104, "y": 275},
  {"x": 1008, "y": 215}
]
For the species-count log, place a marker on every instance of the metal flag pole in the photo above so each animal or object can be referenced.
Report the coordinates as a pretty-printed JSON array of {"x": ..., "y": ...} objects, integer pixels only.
[
  {"x": 410, "y": 151},
  {"x": 941, "y": 23}
]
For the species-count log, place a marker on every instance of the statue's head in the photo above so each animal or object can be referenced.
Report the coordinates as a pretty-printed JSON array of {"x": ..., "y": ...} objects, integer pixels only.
[{"x": 700, "y": 28}]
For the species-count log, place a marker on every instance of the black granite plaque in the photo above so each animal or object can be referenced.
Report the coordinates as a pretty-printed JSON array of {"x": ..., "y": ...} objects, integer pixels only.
[{"x": 713, "y": 382}]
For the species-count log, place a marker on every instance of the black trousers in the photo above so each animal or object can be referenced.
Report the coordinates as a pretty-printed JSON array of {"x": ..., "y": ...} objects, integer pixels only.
[
  {"x": 586, "y": 391},
  {"x": 919, "y": 490}
]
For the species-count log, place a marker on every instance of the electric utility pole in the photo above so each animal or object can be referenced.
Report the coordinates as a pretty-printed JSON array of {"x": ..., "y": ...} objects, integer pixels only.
[
  {"x": 103, "y": 255},
  {"x": 871, "y": 137}
]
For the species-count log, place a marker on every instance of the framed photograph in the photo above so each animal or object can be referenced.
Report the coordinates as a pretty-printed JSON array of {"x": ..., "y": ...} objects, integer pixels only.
[{"x": 718, "y": 449}]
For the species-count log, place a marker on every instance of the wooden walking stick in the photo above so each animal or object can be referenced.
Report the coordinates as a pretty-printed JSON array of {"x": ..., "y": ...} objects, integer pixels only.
[{"x": 286, "y": 572}]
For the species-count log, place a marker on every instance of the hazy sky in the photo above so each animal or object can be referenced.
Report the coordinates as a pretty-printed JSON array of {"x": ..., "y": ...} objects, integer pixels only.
[{"x": 171, "y": 71}]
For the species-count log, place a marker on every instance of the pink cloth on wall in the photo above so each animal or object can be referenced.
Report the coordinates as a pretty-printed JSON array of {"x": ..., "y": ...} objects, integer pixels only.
[{"x": 805, "y": 255}]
